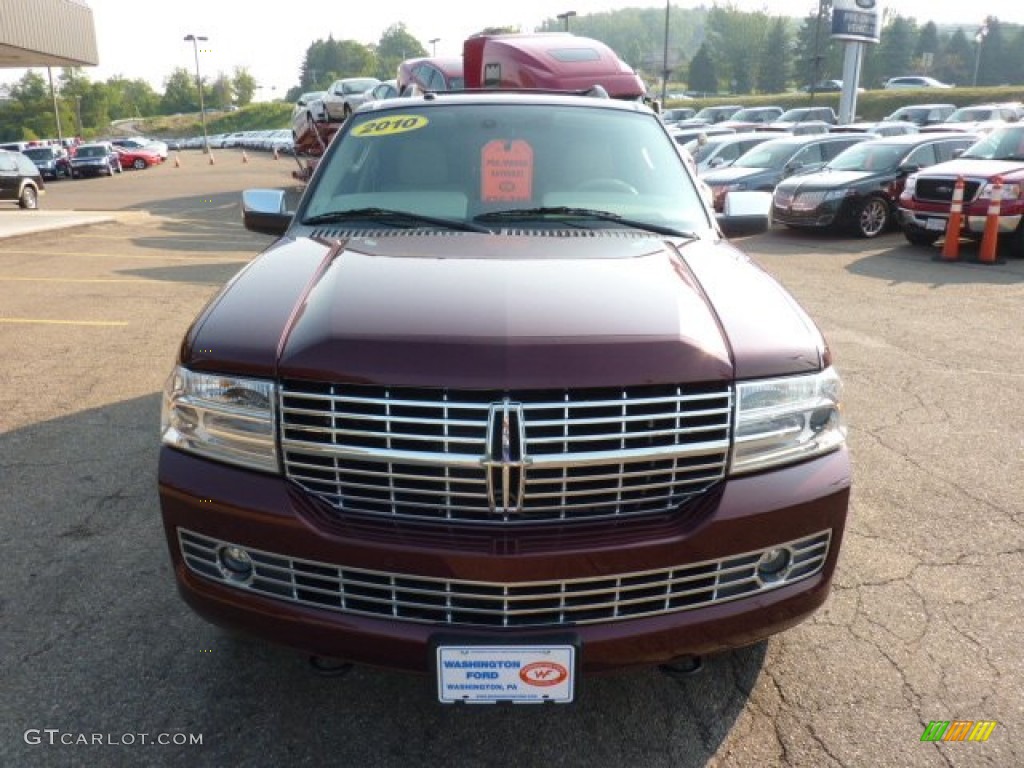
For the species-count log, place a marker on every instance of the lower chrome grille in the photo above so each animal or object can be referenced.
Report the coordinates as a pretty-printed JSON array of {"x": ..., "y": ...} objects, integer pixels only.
[
  {"x": 495, "y": 457},
  {"x": 406, "y": 597}
]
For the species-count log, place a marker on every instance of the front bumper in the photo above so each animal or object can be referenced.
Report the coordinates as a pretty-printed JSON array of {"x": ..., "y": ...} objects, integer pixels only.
[
  {"x": 213, "y": 503},
  {"x": 934, "y": 218}
]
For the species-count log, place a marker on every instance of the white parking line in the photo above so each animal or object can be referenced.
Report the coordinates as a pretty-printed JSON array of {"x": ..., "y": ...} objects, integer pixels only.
[{"x": 40, "y": 321}]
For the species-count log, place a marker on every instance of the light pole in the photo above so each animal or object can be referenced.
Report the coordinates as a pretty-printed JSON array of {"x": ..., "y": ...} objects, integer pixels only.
[
  {"x": 433, "y": 46},
  {"x": 979, "y": 39},
  {"x": 565, "y": 18},
  {"x": 664, "y": 60},
  {"x": 194, "y": 39},
  {"x": 56, "y": 111}
]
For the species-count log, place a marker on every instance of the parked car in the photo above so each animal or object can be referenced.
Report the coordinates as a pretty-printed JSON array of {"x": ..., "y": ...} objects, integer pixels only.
[
  {"x": 52, "y": 161},
  {"x": 723, "y": 150},
  {"x": 134, "y": 142},
  {"x": 922, "y": 114},
  {"x": 20, "y": 180},
  {"x": 858, "y": 190},
  {"x": 684, "y": 134},
  {"x": 752, "y": 117},
  {"x": 386, "y": 89},
  {"x": 791, "y": 119},
  {"x": 712, "y": 115},
  {"x": 138, "y": 158},
  {"x": 914, "y": 81},
  {"x": 980, "y": 118},
  {"x": 926, "y": 199},
  {"x": 764, "y": 166},
  {"x": 883, "y": 128},
  {"x": 673, "y": 115},
  {"x": 439, "y": 73},
  {"x": 824, "y": 86},
  {"x": 97, "y": 159},
  {"x": 411, "y": 434},
  {"x": 345, "y": 96}
]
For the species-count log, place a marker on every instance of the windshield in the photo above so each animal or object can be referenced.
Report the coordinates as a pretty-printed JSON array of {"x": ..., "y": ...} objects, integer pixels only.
[
  {"x": 39, "y": 153},
  {"x": 702, "y": 152},
  {"x": 91, "y": 152},
  {"x": 359, "y": 86},
  {"x": 795, "y": 116},
  {"x": 752, "y": 114},
  {"x": 868, "y": 156},
  {"x": 716, "y": 113},
  {"x": 911, "y": 115},
  {"x": 969, "y": 115},
  {"x": 1004, "y": 144},
  {"x": 767, "y": 155},
  {"x": 460, "y": 162}
]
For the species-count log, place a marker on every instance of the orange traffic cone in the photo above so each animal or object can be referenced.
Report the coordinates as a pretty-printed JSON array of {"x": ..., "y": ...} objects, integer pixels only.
[
  {"x": 177, "y": 160},
  {"x": 245, "y": 157},
  {"x": 211, "y": 158},
  {"x": 990, "y": 240},
  {"x": 276, "y": 155},
  {"x": 951, "y": 246}
]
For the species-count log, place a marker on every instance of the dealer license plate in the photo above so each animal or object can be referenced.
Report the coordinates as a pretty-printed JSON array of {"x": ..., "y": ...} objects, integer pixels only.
[
  {"x": 938, "y": 225},
  {"x": 524, "y": 674}
]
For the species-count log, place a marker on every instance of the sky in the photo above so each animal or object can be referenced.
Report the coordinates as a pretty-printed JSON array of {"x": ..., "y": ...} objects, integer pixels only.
[{"x": 138, "y": 39}]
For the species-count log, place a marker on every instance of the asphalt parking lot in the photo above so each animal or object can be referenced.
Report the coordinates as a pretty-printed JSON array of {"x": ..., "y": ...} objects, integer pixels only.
[{"x": 923, "y": 624}]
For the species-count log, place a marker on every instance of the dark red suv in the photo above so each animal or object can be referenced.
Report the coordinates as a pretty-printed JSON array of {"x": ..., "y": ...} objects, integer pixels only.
[{"x": 503, "y": 405}]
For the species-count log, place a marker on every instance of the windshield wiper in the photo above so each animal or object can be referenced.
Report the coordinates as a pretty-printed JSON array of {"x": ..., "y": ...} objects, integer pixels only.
[
  {"x": 409, "y": 218},
  {"x": 582, "y": 213}
]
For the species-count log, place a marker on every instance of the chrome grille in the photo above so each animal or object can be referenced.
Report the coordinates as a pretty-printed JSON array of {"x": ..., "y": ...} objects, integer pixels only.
[
  {"x": 421, "y": 599},
  {"x": 808, "y": 201},
  {"x": 939, "y": 190},
  {"x": 494, "y": 457}
]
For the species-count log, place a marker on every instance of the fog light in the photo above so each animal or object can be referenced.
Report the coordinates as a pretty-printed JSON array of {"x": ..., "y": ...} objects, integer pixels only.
[
  {"x": 235, "y": 563},
  {"x": 774, "y": 565}
]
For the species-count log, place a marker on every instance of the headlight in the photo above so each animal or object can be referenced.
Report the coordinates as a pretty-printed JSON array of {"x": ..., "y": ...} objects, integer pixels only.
[
  {"x": 1010, "y": 192},
  {"x": 911, "y": 185},
  {"x": 781, "y": 421},
  {"x": 226, "y": 418}
]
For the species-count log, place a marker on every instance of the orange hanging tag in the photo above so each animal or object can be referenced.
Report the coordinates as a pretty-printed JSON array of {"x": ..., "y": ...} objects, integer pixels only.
[{"x": 506, "y": 170}]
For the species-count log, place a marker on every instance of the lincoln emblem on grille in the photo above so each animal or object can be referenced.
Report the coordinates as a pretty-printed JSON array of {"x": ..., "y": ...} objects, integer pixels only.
[{"x": 505, "y": 460}]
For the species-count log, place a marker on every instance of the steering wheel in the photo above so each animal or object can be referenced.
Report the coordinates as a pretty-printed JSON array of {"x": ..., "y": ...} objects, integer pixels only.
[{"x": 607, "y": 185}]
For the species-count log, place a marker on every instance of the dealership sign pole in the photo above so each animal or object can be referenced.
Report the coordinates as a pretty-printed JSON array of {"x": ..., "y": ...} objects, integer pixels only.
[{"x": 855, "y": 22}]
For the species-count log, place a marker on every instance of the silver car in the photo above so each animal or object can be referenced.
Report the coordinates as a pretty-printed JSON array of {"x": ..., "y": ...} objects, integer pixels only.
[{"x": 346, "y": 95}]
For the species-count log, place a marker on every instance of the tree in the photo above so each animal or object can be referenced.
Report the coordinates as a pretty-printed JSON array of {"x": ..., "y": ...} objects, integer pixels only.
[
  {"x": 180, "y": 94},
  {"x": 956, "y": 62},
  {"x": 395, "y": 46},
  {"x": 735, "y": 38},
  {"x": 702, "y": 77},
  {"x": 927, "y": 48},
  {"x": 815, "y": 55},
  {"x": 992, "y": 59},
  {"x": 221, "y": 94},
  {"x": 774, "y": 73},
  {"x": 244, "y": 86},
  {"x": 330, "y": 59},
  {"x": 896, "y": 49}
]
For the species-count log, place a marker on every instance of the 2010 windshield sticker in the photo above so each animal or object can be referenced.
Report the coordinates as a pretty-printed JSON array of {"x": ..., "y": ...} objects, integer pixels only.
[{"x": 388, "y": 126}]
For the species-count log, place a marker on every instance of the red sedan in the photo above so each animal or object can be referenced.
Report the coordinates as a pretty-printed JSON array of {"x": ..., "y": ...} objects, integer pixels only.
[{"x": 138, "y": 159}]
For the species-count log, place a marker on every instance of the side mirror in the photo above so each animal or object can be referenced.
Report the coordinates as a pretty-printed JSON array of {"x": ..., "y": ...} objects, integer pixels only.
[
  {"x": 264, "y": 211},
  {"x": 745, "y": 213},
  {"x": 716, "y": 162}
]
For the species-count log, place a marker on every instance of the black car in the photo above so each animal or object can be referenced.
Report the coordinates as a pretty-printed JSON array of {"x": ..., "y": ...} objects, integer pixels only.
[
  {"x": 52, "y": 162},
  {"x": 20, "y": 180},
  {"x": 767, "y": 164},
  {"x": 99, "y": 159},
  {"x": 859, "y": 189},
  {"x": 791, "y": 119}
]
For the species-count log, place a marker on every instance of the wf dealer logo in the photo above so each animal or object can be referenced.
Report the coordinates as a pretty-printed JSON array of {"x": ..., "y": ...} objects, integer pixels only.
[{"x": 958, "y": 730}]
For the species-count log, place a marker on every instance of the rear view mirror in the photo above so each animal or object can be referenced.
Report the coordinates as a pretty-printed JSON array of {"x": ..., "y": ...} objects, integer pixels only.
[
  {"x": 264, "y": 211},
  {"x": 746, "y": 213}
]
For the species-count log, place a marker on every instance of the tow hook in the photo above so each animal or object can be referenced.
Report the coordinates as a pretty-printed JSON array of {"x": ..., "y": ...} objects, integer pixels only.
[
  {"x": 326, "y": 666},
  {"x": 683, "y": 667}
]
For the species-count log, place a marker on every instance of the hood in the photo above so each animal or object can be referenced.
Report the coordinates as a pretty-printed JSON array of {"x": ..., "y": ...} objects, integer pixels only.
[
  {"x": 833, "y": 179},
  {"x": 732, "y": 174},
  {"x": 504, "y": 313},
  {"x": 977, "y": 169}
]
